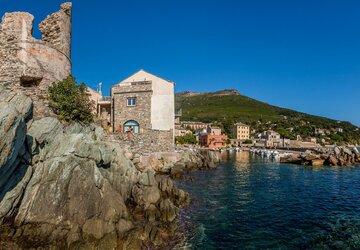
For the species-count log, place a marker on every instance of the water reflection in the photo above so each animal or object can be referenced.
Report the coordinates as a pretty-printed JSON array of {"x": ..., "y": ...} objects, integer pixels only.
[{"x": 242, "y": 160}]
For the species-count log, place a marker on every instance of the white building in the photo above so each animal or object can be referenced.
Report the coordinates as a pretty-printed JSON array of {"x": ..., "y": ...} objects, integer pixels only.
[
  {"x": 339, "y": 130},
  {"x": 319, "y": 131}
]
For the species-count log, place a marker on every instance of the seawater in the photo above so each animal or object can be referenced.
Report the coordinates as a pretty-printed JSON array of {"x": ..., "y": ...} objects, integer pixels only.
[{"x": 252, "y": 203}]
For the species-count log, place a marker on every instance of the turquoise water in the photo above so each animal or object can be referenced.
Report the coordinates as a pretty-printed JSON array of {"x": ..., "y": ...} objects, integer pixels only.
[{"x": 250, "y": 203}]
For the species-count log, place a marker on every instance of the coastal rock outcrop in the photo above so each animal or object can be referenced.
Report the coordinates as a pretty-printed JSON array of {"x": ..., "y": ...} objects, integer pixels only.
[
  {"x": 66, "y": 187},
  {"x": 194, "y": 160},
  {"x": 175, "y": 164},
  {"x": 337, "y": 156}
]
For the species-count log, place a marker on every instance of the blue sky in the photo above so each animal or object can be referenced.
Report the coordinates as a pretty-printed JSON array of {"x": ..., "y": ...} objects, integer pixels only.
[{"x": 299, "y": 54}]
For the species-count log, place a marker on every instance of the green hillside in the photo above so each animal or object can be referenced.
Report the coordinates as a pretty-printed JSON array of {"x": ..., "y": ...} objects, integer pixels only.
[{"x": 229, "y": 106}]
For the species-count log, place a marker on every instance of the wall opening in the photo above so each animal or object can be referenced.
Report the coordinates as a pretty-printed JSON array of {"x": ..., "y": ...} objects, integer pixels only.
[
  {"x": 132, "y": 126},
  {"x": 28, "y": 81}
]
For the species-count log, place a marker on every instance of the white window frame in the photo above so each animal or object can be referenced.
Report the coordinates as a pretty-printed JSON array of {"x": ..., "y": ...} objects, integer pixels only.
[{"x": 131, "y": 101}]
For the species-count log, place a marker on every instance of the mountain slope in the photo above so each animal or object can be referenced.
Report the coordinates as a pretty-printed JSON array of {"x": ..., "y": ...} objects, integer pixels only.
[{"x": 229, "y": 106}]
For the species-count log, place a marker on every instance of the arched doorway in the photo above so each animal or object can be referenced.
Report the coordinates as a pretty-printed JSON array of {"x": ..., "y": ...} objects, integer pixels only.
[{"x": 132, "y": 125}]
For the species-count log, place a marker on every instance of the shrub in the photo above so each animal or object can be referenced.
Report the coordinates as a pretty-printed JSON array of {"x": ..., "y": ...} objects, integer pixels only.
[
  {"x": 248, "y": 141},
  {"x": 336, "y": 138},
  {"x": 186, "y": 139},
  {"x": 70, "y": 101}
]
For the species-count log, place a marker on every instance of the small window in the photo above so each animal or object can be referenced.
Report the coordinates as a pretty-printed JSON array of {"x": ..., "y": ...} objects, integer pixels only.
[{"x": 131, "y": 101}]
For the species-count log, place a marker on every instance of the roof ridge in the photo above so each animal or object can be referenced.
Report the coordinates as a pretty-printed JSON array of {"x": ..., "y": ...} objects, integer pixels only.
[{"x": 147, "y": 73}]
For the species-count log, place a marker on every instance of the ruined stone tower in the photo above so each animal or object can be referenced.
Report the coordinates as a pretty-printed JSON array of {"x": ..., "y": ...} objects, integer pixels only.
[{"x": 29, "y": 65}]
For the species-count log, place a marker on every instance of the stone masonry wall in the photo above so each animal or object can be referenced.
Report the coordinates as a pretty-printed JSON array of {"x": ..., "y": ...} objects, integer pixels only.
[
  {"x": 29, "y": 65},
  {"x": 56, "y": 29},
  {"x": 148, "y": 140},
  {"x": 140, "y": 113}
]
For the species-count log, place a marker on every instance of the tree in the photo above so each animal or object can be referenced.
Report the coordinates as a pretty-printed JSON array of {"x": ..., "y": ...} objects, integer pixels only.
[
  {"x": 284, "y": 133},
  {"x": 70, "y": 101}
]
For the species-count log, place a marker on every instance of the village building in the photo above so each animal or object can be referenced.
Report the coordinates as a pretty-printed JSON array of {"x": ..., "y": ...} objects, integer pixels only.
[
  {"x": 271, "y": 139},
  {"x": 240, "y": 131},
  {"x": 319, "y": 131},
  {"x": 271, "y": 135},
  {"x": 213, "y": 130},
  {"x": 182, "y": 132},
  {"x": 101, "y": 108},
  {"x": 143, "y": 110},
  {"x": 94, "y": 96},
  {"x": 339, "y": 130},
  {"x": 310, "y": 139},
  {"x": 178, "y": 114},
  {"x": 212, "y": 137},
  {"x": 194, "y": 125},
  {"x": 198, "y": 132},
  {"x": 213, "y": 141}
]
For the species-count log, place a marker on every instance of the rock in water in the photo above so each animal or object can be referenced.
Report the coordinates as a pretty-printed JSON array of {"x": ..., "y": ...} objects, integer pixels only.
[
  {"x": 347, "y": 151},
  {"x": 355, "y": 150},
  {"x": 332, "y": 161},
  {"x": 337, "y": 150},
  {"x": 317, "y": 162}
]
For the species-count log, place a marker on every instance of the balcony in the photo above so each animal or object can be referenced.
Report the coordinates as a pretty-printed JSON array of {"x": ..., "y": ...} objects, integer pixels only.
[{"x": 104, "y": 100}]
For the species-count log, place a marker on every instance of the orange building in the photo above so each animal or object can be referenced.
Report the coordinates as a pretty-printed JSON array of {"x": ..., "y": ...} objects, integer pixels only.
[{"x": 212, "y": 140}]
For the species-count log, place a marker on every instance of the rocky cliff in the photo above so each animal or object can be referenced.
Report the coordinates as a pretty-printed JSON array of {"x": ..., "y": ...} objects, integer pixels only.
[{"x": 66, "y": 187}]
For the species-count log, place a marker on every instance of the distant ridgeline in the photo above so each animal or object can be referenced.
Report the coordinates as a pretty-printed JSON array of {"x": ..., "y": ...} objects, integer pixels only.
[{"x": 227, "y": 107}]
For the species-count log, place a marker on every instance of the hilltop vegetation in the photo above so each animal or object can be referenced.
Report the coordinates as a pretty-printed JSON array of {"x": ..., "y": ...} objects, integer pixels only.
[{"x": 227, "y": 107}]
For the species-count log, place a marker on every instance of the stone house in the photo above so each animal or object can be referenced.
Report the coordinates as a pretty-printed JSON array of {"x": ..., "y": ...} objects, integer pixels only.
[
  {"x": 143, "y": 108},
  {"x": 29, "y": 65},
  {"x": 271, "y": 135}
]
